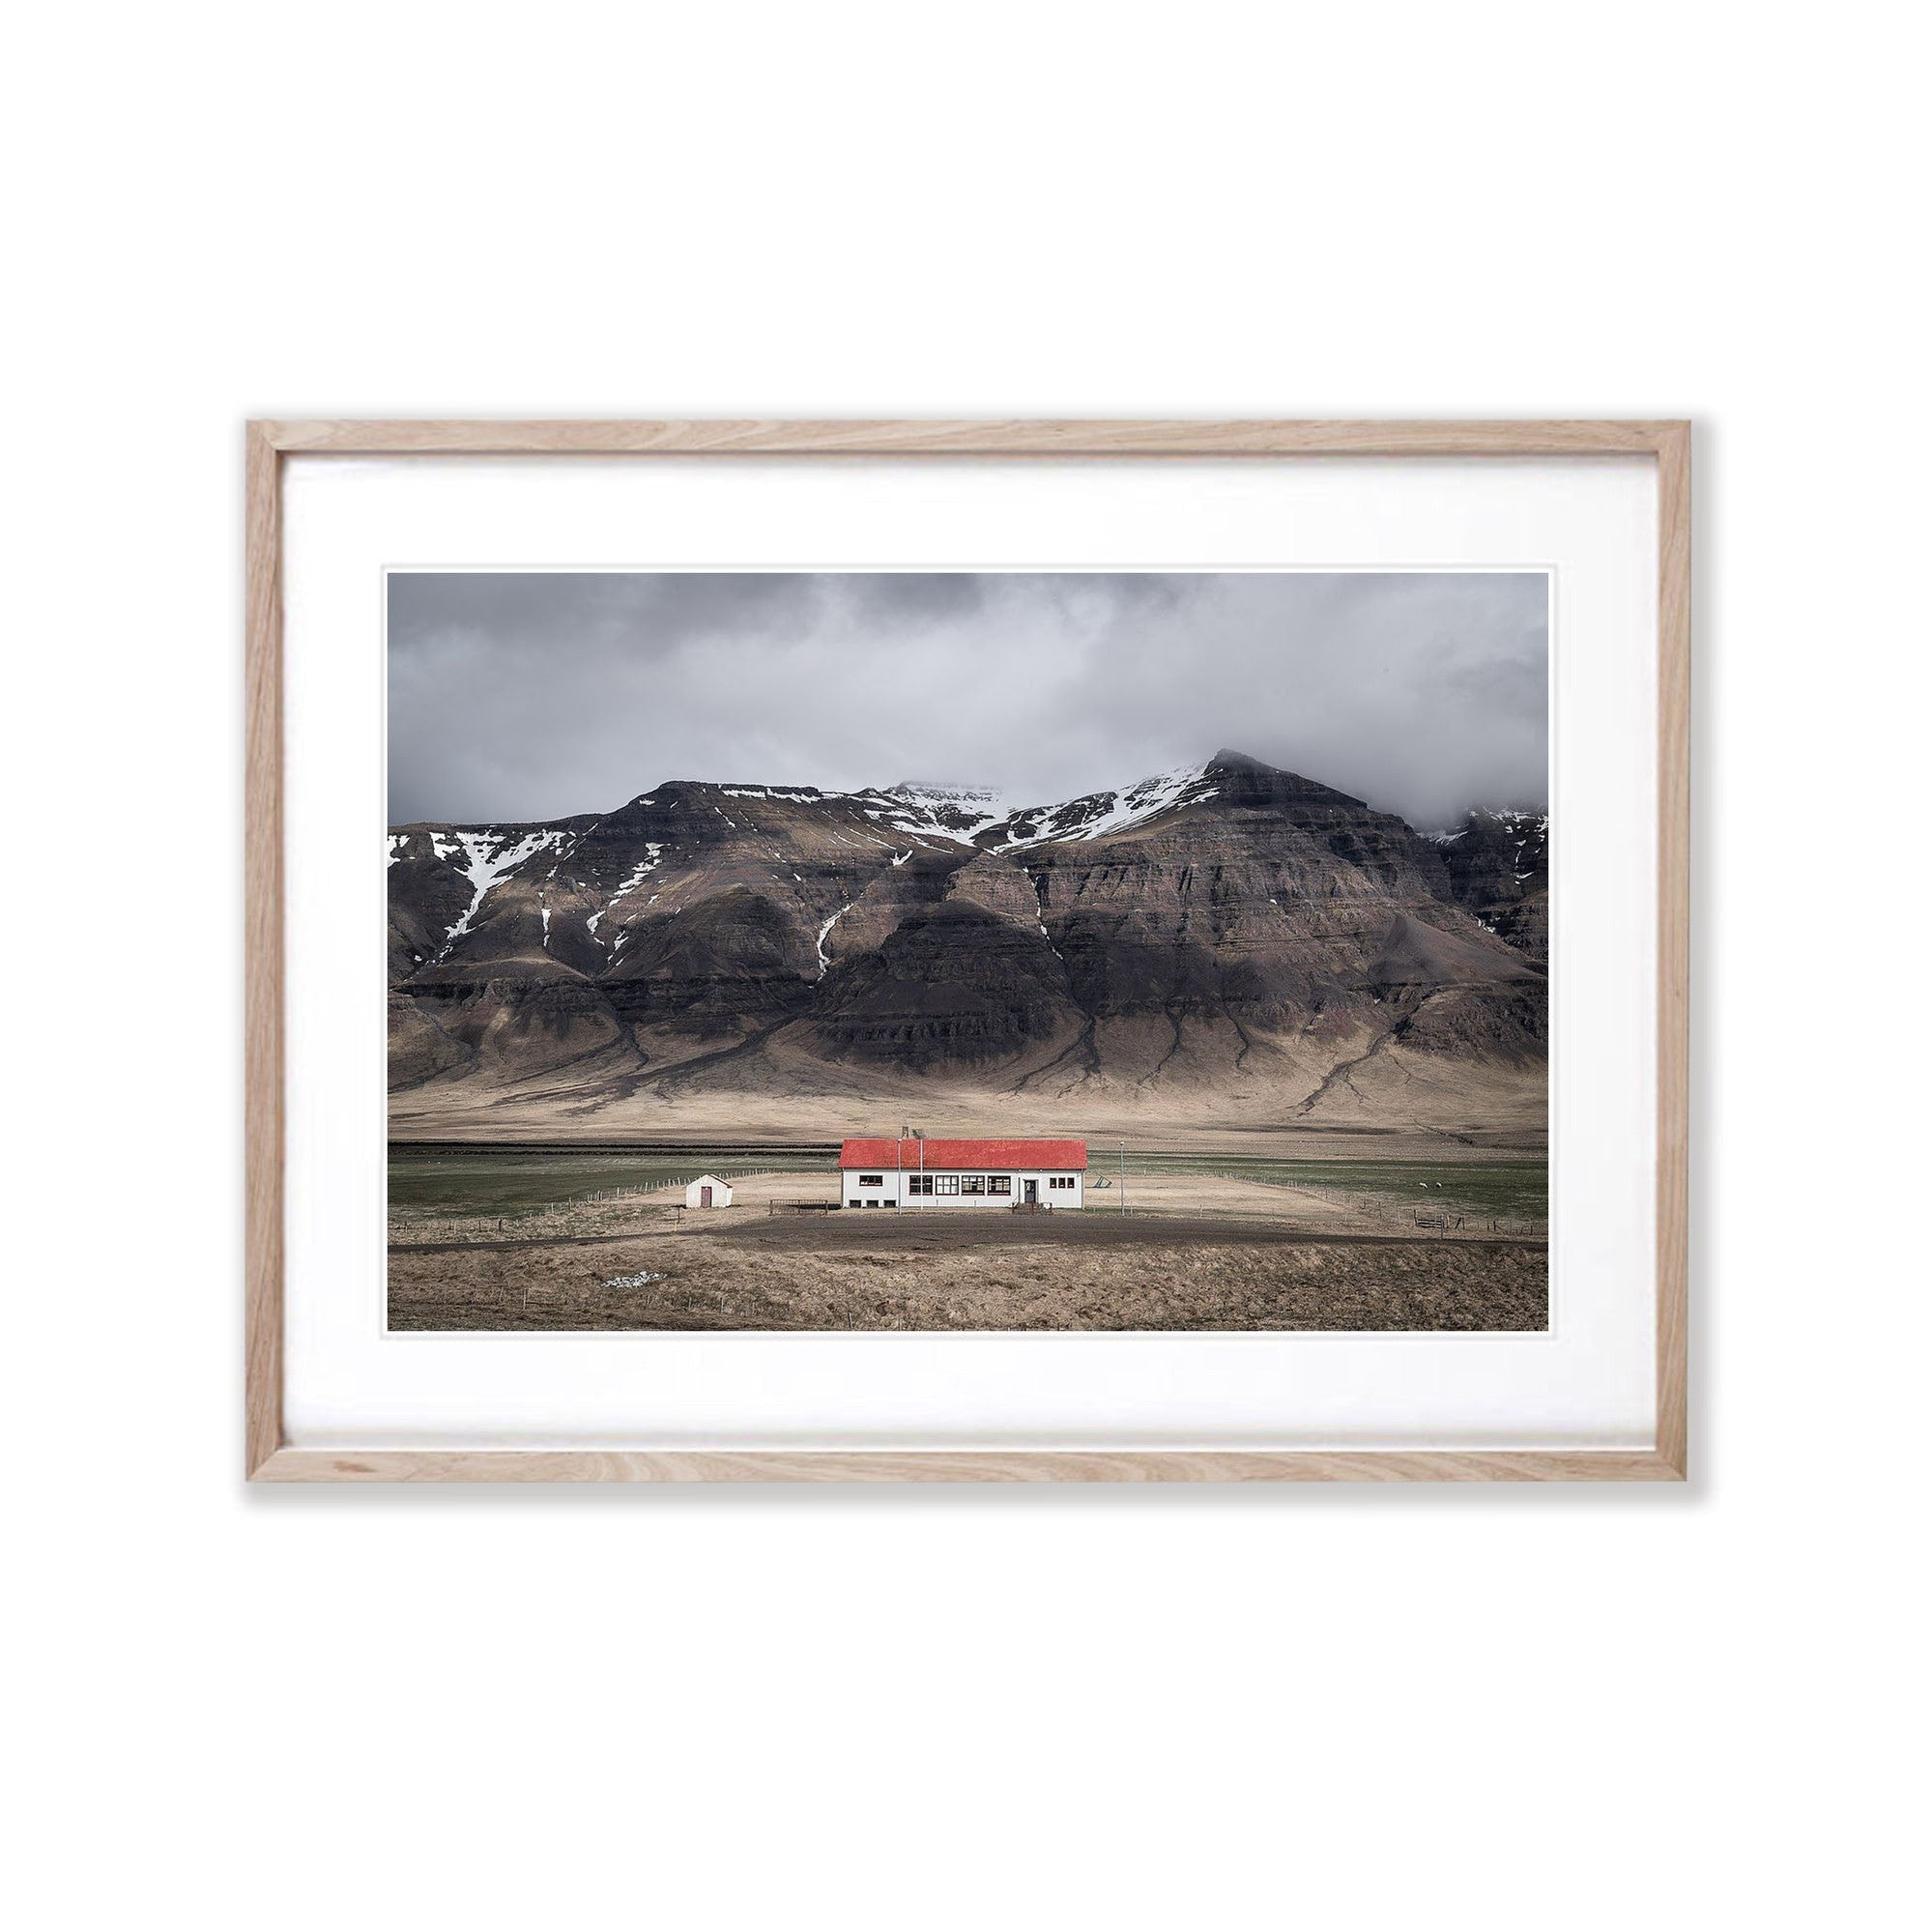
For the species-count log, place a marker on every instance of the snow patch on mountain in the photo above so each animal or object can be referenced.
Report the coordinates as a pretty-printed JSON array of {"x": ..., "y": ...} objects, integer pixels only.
[
  {"x": 1099, "y": 814},
  {"x": 644, "y": 867},
  {"x": 950, "y": 814},
  {"x": 485, "y": 858},
  {"x": 824, "y": 931},
  {"x": 970, "y": 798},
  {"x": 1512, "y": 823}
]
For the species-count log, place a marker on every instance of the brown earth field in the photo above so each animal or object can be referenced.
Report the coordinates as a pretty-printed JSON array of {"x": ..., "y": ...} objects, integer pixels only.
[
  {"x": 491, "y": 1118},
  {"x": 1230, "y": 1256}
]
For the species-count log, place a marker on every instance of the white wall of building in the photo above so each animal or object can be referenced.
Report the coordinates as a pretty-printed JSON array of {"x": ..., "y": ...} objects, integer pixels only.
[
  {"x": 721, "y": 1192},
  {"x": 1056, "y": 1187}
]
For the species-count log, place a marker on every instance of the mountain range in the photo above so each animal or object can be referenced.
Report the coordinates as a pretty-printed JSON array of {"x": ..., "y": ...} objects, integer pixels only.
[{"x": 1229, "y": 941}]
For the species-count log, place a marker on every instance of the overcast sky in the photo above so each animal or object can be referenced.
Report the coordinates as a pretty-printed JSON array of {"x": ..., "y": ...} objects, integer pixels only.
[{"x": 533, "y": 696}]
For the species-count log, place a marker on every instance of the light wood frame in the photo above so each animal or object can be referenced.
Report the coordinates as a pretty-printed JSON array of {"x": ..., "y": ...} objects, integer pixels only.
[{"x": 269, "y": 1459}]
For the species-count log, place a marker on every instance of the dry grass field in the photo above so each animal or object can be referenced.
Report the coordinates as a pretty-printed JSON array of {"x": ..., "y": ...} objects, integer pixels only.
[
  {"x": 1471, "y": 1117},
  {"x": 1192, "y": 1251}
]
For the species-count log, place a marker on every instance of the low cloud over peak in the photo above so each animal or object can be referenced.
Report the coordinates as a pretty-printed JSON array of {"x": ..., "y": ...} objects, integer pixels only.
[{"x": 536, "y": 695}]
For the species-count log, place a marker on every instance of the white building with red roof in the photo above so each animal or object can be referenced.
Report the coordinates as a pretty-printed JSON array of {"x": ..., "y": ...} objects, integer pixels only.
[{"x": 917, "y": 1172}]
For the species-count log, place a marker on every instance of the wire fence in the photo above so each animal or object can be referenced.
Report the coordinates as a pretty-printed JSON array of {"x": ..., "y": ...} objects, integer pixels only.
[
  {"x": 662, "y": 1198},
  {"x": 727, "y": 1174}
]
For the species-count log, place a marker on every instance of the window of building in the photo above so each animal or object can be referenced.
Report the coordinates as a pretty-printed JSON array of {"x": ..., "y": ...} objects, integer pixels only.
[
  {"x": 945, "y": 1184},
  {"x": 1059, "y": 1180},
  {"x": 854, "y": 1203},
  {"x": 871, "y": 1180},
  {"x": 972, "y": 1184},
  {"x": 1000, "y": 1183},
  {"x": 918, "y": 1183}
]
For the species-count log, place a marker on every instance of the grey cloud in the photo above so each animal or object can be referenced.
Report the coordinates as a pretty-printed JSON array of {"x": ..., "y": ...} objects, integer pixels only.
[{"x": 530, "y": 696}]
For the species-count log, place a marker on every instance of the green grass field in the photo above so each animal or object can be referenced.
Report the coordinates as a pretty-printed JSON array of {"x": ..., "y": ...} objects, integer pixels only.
[
  {"x": 519, "y": 1180},
  {"x": 1516, "y": 1188}
]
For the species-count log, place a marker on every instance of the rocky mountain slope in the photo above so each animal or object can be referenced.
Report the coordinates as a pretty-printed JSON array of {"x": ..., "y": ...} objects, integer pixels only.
[
  {"x": 1227, "y": 940},
  {"x": 1498, "y": 866}
]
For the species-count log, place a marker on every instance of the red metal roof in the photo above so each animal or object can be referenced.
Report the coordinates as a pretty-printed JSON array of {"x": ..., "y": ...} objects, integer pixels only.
[{"x": 944, "y": 1156}]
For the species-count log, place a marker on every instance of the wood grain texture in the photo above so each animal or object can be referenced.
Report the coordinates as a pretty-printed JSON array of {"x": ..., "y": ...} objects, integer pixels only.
[
  {"x": 1673, "y": 948},
  {"x": 263, "y": 928},
  {"x": 1073, "y": 438},
  {"x": 836, "y": 1465},
  {"x": 269, "y": 1460}
]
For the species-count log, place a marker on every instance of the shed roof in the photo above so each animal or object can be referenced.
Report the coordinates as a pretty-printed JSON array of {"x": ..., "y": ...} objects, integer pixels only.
[{"x": 939, "y": 1155}]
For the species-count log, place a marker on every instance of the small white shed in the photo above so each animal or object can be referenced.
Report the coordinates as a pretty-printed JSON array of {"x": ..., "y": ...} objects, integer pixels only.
[{"x": 707, "y": 1191}]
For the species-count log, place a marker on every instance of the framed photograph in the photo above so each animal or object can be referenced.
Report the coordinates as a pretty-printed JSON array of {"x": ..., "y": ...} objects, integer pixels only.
[{"x": 950, "y": 951}]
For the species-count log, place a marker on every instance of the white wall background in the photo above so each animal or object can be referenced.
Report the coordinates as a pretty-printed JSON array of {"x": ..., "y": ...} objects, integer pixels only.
[{"x": 1334, "y": 1709}]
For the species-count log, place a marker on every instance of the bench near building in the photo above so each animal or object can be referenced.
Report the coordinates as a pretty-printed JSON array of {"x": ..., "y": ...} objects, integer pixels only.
[{"x": 963, "y": 1174}]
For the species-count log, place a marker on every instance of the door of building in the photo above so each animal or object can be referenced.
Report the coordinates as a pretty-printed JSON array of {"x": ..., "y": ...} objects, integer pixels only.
[
  {"x": 704, "y": 1197},
  {"x": 1033, "y": 1190}
]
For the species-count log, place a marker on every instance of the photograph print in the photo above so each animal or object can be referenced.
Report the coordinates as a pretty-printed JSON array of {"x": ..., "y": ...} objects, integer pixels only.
[{"x": 1005, "y": 950}]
